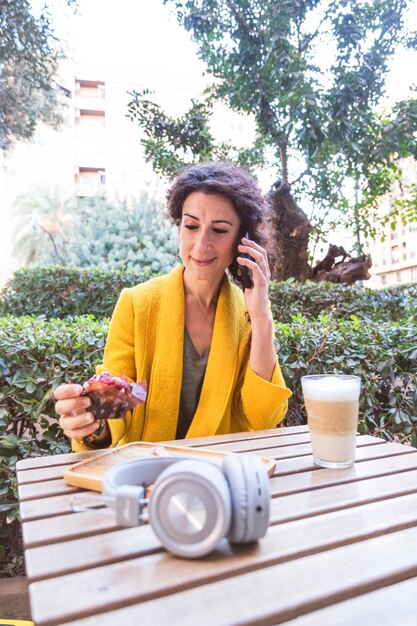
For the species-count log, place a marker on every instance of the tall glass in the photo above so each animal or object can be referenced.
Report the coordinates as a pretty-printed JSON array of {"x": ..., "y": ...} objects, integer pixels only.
[{"x": 332, "y": 405}]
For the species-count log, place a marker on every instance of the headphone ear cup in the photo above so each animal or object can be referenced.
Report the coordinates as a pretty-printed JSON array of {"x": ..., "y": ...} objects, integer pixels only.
[
  {"x": 190, "y": 509},
  {"x": 249, "y": 488}
]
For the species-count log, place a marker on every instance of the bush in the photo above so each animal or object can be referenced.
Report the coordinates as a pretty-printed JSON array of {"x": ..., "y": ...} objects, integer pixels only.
[
  {"x": 35, "y": 357},
  {"x": 312, "y": 299},
  {"x": 62, "y": 292},
  {"x": 117, "y": 235},
  {"x": 94, "y": 231}
]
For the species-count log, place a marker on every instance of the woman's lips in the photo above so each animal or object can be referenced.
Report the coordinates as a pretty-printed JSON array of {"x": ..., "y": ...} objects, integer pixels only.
[{"x": 203, "y": 262}]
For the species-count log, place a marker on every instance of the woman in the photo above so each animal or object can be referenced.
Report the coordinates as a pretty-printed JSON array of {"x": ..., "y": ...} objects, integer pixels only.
[{"x": 204, "y": 347}]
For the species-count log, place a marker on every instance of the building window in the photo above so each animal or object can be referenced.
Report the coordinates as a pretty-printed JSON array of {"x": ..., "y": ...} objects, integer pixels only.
[
  {"x": 412, "y": 254},
  {"x": 87, "y": 117},
  {"x": 412, "y": 227},
  {"x": 398, "y": 277},
  {"x": 394, "y": 234},
  {"x": 404, "y": 250},
  {"x": 90, "y": 88},
  {"x": 414, "y": 273},
  {"x": 90, "y": 177},
  {"x": 395, "y": 255},
  {"x": 384, "y": 261},
  {"x": 383, "y": 279}
]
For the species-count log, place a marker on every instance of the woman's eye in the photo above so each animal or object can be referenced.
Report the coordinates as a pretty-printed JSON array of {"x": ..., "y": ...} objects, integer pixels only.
[
  {"x": 191, "y": 226},
  {"x": 219, "y": 231}
]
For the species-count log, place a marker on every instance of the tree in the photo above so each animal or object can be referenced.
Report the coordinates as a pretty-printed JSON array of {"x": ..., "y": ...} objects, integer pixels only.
[
  {"x": 318, "y": 116},
  {"x": 118, "y": 235},
  {"x": 43, "y": 222},
  {"x": 29, "y": 55},
  {"x": 53, "y": 228}
]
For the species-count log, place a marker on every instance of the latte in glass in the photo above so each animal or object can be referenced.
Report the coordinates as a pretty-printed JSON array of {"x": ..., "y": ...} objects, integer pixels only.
[{"x": 332, "y": 405}]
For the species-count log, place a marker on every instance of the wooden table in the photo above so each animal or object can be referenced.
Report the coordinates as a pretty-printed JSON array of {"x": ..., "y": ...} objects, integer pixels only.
[{"x": 341, "y": 548}]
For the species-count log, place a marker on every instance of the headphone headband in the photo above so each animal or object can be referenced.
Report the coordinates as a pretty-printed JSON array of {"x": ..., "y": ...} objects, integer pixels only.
[{"x": 142, "y": 472}]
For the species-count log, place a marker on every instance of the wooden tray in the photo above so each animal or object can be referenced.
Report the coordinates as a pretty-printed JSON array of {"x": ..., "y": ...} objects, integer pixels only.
[{"x": 88, "y": 474}]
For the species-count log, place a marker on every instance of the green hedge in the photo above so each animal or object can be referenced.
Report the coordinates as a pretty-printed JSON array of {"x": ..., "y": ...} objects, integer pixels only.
[
  {"x": 62, "y": 292},
  {"x": 35, "y": 357},
  {"x": 311, "y": 299}
]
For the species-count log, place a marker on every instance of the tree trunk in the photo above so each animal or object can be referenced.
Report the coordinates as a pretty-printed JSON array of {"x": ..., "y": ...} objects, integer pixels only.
[{"x": 290, "y": 229}]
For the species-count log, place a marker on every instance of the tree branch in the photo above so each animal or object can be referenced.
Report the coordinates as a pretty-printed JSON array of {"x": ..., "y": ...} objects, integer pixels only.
[
  {"x": 316, "y": 32},
  {"x": 58, "y": 258},
  {"x": 284, "y": 161},
  {"x": 293, "y": 182},
  {"x": 239, "y": 18}
]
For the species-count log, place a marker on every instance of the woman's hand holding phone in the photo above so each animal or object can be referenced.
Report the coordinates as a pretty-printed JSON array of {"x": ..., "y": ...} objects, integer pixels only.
[
  {"x": 253, "y": 262},
  {"x": 262, "y": 351}
]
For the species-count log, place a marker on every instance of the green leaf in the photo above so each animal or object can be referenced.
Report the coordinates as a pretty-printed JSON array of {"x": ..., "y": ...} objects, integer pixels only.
[{"x": 9, "y": 441}]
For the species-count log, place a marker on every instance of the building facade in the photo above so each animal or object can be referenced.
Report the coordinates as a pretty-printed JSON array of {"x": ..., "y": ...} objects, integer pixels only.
[
  {"x": 97, "y": 151},
  {"x": 394, "y": 251}
]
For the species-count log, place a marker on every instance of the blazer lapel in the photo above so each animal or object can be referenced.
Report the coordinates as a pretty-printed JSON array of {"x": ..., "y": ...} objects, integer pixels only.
[
  {"x": 165, "y": 383},
  {"x": 221, "y": 367}
]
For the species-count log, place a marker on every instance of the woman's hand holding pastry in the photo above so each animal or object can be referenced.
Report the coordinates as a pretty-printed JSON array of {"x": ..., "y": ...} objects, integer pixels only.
[{"x": 74, "y": 417}]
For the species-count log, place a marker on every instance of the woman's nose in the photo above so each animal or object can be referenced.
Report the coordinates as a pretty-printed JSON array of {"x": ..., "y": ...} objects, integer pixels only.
[{"x": 203, "y": 240}]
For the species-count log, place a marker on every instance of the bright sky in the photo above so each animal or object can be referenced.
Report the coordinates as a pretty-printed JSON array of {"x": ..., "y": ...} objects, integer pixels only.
[
  {"x": 145, "y": 34},
  {"x": 142, "y": 34}
]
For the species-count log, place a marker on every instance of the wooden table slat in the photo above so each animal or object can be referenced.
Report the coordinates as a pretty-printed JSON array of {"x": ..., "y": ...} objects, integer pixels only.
[
  {"x": 42, "y": 474},
  {"x": 395, "y": 605},
  {"x": 45, "y": 489},
  {"x": 56, "y": 459},
  {"x": 234, "y": 437},
  {"x": 363, "y": 453},
  {"x": 326, "y": 477},
  {"x": 268, "y": 595},
  {"x": 46, "y": 507},
  {"x": 285, "y": 445},
  {"x": 65, "y": 527}
]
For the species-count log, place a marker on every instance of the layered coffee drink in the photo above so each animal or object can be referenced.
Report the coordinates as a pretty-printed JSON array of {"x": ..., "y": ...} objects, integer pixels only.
[{"x": 332, "y": 405}]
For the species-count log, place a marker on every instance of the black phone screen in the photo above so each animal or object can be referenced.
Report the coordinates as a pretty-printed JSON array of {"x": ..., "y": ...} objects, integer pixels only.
[{"x": 246, "y": 274}]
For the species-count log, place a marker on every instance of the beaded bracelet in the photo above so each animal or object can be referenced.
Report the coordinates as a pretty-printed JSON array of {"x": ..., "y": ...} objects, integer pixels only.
[{"x": 92, "y": 440}]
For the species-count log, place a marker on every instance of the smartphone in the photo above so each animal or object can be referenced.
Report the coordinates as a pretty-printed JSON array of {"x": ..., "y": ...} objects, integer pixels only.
[{"x": 246, "y": 274}]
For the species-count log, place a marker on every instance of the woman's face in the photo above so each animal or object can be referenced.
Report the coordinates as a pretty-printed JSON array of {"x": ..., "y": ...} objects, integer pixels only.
[{"x": 208, "y": 235}]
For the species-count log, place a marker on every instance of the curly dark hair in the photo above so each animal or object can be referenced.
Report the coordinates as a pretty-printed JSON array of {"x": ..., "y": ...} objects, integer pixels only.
[{"x": 232, "y": 182}]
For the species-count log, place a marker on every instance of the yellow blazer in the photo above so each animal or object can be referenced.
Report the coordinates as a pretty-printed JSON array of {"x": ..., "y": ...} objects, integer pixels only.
[{"x": 145, "y": 341}]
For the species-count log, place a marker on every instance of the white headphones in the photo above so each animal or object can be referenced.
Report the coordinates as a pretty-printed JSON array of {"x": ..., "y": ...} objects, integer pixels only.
[{"x": 193, "y": 503}]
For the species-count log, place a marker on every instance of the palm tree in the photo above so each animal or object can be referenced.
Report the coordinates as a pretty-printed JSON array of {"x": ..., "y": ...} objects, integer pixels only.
[{"x": 43, "y": 219}]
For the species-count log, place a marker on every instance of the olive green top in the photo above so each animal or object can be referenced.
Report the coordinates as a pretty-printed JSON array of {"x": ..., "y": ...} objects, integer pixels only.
[{"x": 193, "y": 370}]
